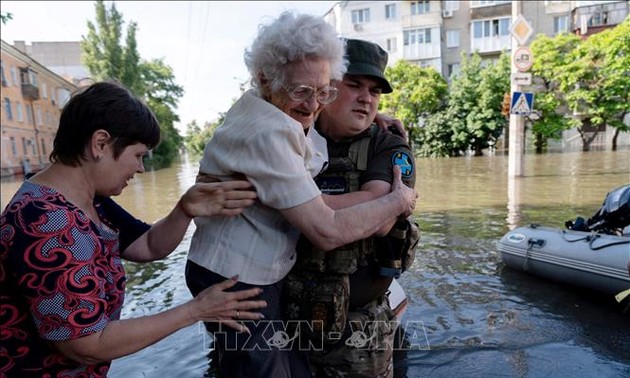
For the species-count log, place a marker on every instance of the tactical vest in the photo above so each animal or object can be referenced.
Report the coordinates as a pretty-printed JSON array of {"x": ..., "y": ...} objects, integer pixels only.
[
  {"x": 341, "y": 176},
  {"x": 318, "y": 287}
]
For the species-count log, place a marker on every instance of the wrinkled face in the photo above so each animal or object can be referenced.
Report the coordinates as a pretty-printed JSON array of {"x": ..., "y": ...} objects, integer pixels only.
[
  {"x": 115, "y": 173},
  {"x": 310, "y": 72},
  {"x": 354, "y": 109}
]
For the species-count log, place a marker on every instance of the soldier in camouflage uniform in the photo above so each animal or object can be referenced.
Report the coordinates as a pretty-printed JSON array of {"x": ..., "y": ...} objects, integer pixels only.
[{"x": 343, "y": 293}]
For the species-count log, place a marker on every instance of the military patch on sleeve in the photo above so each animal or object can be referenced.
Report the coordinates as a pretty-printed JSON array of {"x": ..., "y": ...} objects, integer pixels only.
[{"x": 403, "y": 160}]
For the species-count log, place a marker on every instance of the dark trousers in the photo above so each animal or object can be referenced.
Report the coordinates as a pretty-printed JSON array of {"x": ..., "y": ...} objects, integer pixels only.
[{"x": 250, "y": 355}]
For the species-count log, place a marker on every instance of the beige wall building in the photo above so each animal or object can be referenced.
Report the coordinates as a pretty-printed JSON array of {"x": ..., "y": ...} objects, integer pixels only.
[
  {"x": 434, "y": 33},
  {"x": 32, "y": 99}
]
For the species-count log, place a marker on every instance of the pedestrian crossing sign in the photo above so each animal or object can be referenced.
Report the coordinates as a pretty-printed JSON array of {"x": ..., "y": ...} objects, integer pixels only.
[{"x": 522, "y": 103}]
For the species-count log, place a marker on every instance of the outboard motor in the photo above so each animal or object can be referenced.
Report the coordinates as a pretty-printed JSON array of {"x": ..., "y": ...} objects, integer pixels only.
[{"x": 611, "y": 218}]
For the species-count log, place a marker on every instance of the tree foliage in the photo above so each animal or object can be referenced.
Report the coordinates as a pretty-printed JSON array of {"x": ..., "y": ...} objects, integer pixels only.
[
  {"x": 472, "y": 119},
  {"x": 197, "y": 137},
  {"x": 583, "y": 84},
  {"x": 154, "y": 81},
  {"x": 162, "y": 94},
  {"x": 5, "y": 17},
  {"x": 551, "y": 56},
  {"x": 418, "y": 92}
]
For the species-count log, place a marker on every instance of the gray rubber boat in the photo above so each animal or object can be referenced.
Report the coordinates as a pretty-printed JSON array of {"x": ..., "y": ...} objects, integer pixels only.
[{"x": 587, "y": 259}]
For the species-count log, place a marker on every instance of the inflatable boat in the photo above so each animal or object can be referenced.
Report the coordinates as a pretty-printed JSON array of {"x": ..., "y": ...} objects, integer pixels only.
[
  {"x": 595, "y": 261},
  {"x": 593, "y": 253}
]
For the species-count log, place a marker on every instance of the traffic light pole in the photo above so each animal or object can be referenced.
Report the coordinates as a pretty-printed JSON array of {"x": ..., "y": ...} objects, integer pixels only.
[{"x": 516, "y": 138}]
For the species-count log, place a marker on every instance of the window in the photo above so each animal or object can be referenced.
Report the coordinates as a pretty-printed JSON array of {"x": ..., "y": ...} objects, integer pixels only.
[
  {"x": 43, "y": 147},
  {"x": 451, "y": 5},
  {"x": 13, "y": 146},
  {"x": 452, "y": 38},
  {"x": 391, "y": 45},
  {"x": 31, "y": 142},
  {"x": 420, "y": 7},
  {"x": 561, "y": 24},
  {"x": 480, "y": 3},
  {"x": 419, "y": 36},
  {"x": 38, "y": 116},
  {"x": 491, "y": 28},
  {"x": 52, "y": 95},
  {"x": 29, "y": 114},
  {"x": 4, "y": 79},
  {"x": 18, "y": 110},
  {"x": 7, "y": 108},
  {"x": 390, "y": 11},
  {"x": 361, "y": 16},
  {"x": 44, "y": 90},
  {"x": 63, "y": 95},
  {"x": 28, "y": 77},
  {"x": 24, "y": 146},
  {"x": 598, "y": 18},
  {"x": 14, "y": 78}
]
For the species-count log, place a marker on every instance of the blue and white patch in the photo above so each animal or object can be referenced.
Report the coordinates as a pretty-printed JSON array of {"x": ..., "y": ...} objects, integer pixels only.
[{"x": 403, "y": 160}]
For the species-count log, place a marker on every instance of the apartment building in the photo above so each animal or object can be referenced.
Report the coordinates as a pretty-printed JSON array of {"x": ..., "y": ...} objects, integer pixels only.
[
  {"x": 434, "y": 33},
  {"x": 32, "y": 99}
]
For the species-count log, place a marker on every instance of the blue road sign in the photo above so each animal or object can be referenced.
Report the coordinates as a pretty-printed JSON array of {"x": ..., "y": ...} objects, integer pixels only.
[{"x": 522, "y": 103}]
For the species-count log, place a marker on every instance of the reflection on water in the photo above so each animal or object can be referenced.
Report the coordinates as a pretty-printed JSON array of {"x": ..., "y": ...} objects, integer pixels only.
[{"x": 479, "y": 318}]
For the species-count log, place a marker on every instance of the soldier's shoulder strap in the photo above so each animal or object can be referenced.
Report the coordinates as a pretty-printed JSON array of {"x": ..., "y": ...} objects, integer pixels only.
[{"x": 358, "y": 151}]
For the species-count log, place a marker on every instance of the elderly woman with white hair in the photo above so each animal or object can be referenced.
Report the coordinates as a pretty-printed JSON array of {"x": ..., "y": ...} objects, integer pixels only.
[{"x": 267, "y": 138}]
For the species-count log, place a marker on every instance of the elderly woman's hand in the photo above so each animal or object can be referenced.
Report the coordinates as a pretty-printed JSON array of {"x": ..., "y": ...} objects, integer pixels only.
[
  {"x": 391, "y": 125},
  {"x": 409, "y": 195},
  {"x": 217, "y": 198},
  {"x": 214, "y": 304}
]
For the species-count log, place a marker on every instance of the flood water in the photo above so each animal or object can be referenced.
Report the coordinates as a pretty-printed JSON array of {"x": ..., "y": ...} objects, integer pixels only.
[{"x": 469, "y": 316}]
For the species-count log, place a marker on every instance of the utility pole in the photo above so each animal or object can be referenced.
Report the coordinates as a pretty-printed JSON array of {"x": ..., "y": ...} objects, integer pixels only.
[{"x": 516, "y": 132}]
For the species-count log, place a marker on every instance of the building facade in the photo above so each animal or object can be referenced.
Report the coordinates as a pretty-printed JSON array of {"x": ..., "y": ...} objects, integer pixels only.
[
  {"x": 62, "y": 58},
  {"x": 32, "y": 99},
  {"x": 435, "y": 33}
]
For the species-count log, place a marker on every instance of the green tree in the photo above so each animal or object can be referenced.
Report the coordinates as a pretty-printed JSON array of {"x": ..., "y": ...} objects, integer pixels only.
[
  {"x": 418, "y": 92},
  {"x": 610, "y": 51},
  {"x": 435, "y": 137},
  {"x": 130, "y": 73},
  {"x": 5, "y": 17},
  {"x": 586, "y": 81},
  {"x": 197, "y": 137},
  {"x": 551, "y": 57},
  {"x": 162, "y": 95},
  {"x": 102, "y": 52},
  {"x": 484, "y": 122},
  {"x": 152, "y": 80},
  {"x": 462, "y": 101}
]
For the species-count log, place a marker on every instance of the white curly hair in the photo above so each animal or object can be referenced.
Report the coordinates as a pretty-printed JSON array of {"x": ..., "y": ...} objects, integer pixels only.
[{"x": 293, "y": 38}]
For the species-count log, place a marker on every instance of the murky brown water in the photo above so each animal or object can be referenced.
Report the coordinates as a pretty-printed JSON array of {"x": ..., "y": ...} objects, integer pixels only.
[{"x": 475, "y": 317}]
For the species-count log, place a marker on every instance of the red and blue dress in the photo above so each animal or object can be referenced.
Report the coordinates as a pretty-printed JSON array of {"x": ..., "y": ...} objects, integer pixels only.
[{"x": 61, "y": 278}]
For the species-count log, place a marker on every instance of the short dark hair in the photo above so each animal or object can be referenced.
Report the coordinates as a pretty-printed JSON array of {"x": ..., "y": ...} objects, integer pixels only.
[{"x": 105, "y": 105}]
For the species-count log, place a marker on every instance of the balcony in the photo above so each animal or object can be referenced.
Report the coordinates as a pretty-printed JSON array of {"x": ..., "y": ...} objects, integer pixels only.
[
  {"x": 491, "y": 45},
  {"x": 30, "y": 90}
]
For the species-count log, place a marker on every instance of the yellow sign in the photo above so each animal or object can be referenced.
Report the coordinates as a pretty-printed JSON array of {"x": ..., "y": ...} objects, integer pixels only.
[{"x": 521, "y": 29}]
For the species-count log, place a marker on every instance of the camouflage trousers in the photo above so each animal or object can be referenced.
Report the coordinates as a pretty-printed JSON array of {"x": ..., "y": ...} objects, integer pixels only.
[{"x": 366, "y": 348}]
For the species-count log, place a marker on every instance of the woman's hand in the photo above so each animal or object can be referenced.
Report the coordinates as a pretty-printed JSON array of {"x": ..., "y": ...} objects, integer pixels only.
[
  {"x": 225, "y": 198},
  {"x": 214, "y": 304},
  {"x": 409, "y": 195},
  {"x": 390, "y": 125}
]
